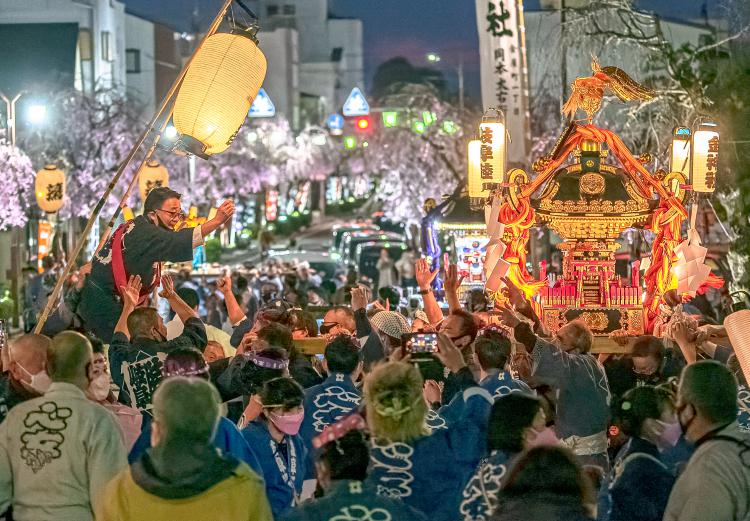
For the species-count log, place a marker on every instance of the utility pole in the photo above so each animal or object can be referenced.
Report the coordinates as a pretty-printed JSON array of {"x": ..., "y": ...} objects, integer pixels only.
[
  {"x": 15, "y": 238},
  {"x": 563, "y": 58},
  {"x": 461, "y": 81}
]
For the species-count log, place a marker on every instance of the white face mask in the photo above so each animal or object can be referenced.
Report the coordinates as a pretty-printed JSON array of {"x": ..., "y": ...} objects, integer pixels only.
[
  {"x": 40, "y": 381},
  {"x": 99, "y": 387}
]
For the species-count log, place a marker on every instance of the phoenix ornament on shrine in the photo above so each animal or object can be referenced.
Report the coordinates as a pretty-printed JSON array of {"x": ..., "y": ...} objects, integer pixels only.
[{"x": 588, "y": 92}]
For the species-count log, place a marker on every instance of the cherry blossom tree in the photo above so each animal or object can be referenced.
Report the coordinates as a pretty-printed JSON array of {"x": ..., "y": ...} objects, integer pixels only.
[
  {"x": 86, "y": 136},
  {"x": 416, "y": 160},
  {"x": 264, "y": 153},
  {"x": 17, "y": 187}
]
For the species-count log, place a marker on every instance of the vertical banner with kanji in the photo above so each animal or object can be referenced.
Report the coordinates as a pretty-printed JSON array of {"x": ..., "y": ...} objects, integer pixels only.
[{"x": 504, "y": 72}]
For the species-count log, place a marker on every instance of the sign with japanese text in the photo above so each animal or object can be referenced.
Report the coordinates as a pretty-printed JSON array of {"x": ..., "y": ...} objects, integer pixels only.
[
  {"x": 705, "y": 159},
  {"x": 492, "y": 152},
  {"x": 504, "y": 73},
  {"x": 50, "y": 188}
]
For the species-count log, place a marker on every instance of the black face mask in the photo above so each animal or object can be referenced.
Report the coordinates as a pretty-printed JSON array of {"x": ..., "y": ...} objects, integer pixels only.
[
  {"x": 159, "y": 223},
  {"x": 326, "y": 328},
  {"x": 647, "y": 379}
]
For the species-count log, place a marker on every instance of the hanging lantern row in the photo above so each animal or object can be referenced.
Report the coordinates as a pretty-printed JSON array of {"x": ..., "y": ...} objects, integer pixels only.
[
  {"x": 153, "y": 174},
  {"x": 696, "y": 155},
  {"x": 487, "y": 158},
  {"x": 49, "y": 187},
  {"x": 219, "y": 87}
]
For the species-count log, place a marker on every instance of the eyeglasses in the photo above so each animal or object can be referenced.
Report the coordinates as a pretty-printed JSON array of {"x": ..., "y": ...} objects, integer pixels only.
[{"x": 176, "y": 214}]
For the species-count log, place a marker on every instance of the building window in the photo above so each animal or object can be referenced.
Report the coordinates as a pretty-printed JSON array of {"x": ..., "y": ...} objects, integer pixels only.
[
  {"x": 84, "y": 44},
  {"x": 336, "y": 54},
  {"x": 289, "y": 10},
  {"x": 133, "y": 60},
  {"x": 107, "y": 50},
  {"x": 272, "y": 10}
]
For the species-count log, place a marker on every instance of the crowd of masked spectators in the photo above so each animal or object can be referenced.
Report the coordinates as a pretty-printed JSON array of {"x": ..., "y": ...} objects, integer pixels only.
[{"x": 281, "y": 393}]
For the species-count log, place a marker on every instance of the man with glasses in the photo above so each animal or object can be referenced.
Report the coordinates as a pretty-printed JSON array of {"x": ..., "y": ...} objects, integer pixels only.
[{"x": 136, "y": 248}]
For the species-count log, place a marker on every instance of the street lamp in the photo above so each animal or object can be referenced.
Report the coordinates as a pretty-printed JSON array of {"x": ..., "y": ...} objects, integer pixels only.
[
  {"x": 433, "y": 57},
  {"x": 170, "y": 132},
  {"x": 36, "y": 113},
  {"x": 10, "y": 110}
]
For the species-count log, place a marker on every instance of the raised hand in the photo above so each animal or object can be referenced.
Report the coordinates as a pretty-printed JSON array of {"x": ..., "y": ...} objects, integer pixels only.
[
  {"x": 225, "y": 211},
  {"x": 515, "y": 295},
  {"x": 224, "y": 284},
  {"x": 131, "y": 292},
  {"x": 167, "y": 285},
  {"x": 359, "y": 298},
  {"x": 423, "y": 274},
  {"x": 432, "y": 392},
  {"x": 452, "y": 279},
  {"x": 449, "y": 354}
]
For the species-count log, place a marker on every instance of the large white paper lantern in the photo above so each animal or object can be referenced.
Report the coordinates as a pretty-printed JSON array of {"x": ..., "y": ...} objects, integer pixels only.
[{"x": 217, "y": 92}]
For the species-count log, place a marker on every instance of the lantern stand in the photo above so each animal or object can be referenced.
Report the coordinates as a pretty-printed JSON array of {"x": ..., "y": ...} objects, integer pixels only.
[{"x": 121, "y": 169}]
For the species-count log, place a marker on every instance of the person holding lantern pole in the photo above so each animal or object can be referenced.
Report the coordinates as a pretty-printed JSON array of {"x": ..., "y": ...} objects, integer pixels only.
[{"x": 136, "y": 248}]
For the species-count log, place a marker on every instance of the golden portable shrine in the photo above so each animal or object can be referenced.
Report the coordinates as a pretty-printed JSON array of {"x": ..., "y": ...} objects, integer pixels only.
[{"x": 589, "y": 189}]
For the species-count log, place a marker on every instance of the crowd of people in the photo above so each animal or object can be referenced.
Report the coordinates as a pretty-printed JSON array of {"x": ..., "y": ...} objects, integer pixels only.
[{"x": 236, "y": 403}]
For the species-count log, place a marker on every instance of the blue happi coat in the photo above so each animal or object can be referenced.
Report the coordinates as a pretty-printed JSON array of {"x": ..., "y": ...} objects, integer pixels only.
[
  {"x": 501, "y": 383},
  {"x": 640, "y": 485},
  {"x": 327, "y": 403},
  {"x": 496, "y": 384},
  {"x": 283, "y": 473},
  {"x": 353, "y": 500},
  {"x": 480, "y": 496},
  {"x": 429, "y": 473}
]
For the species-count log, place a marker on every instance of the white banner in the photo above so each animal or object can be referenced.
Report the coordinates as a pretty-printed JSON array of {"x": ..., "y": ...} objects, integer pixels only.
[{"x": 504, "y": 72}]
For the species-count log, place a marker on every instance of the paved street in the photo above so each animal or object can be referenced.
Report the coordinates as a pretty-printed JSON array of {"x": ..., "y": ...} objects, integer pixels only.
[{"x": 316, "y": 238}]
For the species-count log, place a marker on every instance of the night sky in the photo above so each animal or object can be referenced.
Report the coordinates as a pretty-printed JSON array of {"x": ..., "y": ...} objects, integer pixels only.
[{"x": 408, "y": 28}]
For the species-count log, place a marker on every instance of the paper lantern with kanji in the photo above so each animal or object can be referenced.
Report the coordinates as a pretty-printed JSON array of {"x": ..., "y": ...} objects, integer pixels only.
[
  {"x": 705, "y": 158},
  {"x": 217, "y": 92},
  {"x": 50, "y": 188},
  {"x": 152, "y": 175},
  {"x": 492, "y": 149}
]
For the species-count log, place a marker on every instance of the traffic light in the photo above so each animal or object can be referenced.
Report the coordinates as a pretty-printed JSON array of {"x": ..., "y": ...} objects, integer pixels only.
[
  {"x": 363, "y": 124},
  {"x": 350, "y": 142},
  {"x": 390, "y": 119}
]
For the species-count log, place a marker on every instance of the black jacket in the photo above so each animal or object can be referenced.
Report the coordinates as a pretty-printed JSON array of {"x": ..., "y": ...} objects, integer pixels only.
[
  {"x": 540, "y": 507},
  {"x": 136, "y": 364}
]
